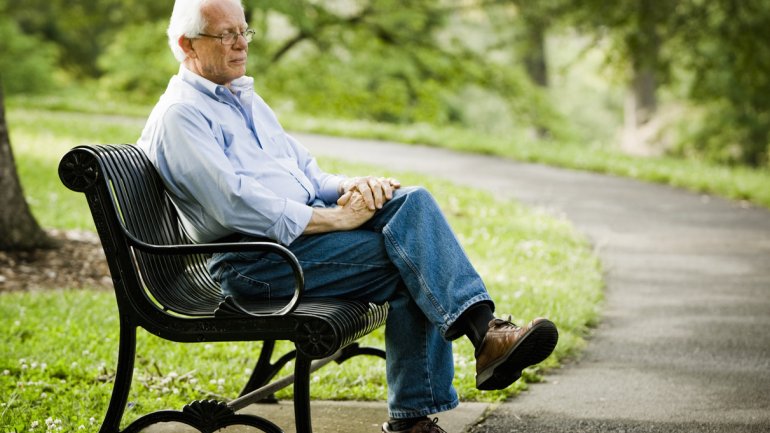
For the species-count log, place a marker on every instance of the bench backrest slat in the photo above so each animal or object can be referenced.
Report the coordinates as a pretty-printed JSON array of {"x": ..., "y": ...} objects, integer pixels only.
[{"x": 180, "y": 284}]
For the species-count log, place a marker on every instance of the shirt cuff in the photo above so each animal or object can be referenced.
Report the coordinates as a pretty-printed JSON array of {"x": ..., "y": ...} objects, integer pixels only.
[
  {"x": 296, "y": 216},
  {"x": 329, "y": 191}
]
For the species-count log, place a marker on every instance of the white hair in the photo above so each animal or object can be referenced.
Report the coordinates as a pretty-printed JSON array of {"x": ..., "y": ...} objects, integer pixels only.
[{"x": 187, "y": 20}]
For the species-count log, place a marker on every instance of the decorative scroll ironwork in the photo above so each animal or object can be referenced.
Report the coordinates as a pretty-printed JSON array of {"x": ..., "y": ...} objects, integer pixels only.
[
  {"x": 207, "y": 413},
  {"x": 206, "y": 416},
  {"x": 230, "y": 309}
]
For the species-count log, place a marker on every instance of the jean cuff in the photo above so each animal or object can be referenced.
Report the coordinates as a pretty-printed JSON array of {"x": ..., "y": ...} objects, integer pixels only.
[
  {"x": 451, "y": 332},
  {"x": 401, "y": 414}
]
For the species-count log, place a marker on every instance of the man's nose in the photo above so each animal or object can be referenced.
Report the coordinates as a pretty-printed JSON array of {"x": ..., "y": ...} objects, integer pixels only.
[{"x": 240, "y": 42}]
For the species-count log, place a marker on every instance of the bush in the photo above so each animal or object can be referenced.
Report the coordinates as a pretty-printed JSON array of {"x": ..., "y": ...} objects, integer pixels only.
[
  {"x": 139, "y": 61},
  {"x": 720, "y": 133},
  {"x": 27, "y": 63},
  {"x": 363, "y": 86}
]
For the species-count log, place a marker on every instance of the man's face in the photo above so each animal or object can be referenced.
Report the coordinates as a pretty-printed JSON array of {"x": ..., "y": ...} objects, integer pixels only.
[{"x": 211, "y": 59}]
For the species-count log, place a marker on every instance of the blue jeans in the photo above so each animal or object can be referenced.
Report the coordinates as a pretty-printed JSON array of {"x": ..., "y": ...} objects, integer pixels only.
[{"x": 406, "y": 255}]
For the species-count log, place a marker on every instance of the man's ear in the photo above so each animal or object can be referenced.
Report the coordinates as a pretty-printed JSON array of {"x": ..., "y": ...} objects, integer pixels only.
[{"x": 186, "y": 45}]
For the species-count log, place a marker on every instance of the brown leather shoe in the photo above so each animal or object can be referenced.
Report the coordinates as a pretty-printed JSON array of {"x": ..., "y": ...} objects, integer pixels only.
[
  {"x": 424, "y": 426},
  {"x": 507, "y": 349}
]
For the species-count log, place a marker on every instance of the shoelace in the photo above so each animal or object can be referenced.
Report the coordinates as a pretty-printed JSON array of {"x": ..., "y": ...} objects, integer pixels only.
[
  {"x": 499, "y": 324},
  {"x": 432, "y": 427},
  {"x": 504, "y": 322}
]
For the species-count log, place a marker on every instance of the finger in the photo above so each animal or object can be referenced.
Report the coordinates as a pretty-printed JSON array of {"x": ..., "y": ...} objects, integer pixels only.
[
  {"x": 345, "y": 198},
  {"x": 366, "y": 191},
  {"x": 346, "y": 186},
  {"x": 394, "y": 183},
  {"x": 386, "y": 188},
  {"x": 377, "y": 192},
  {"x": 388, "y": 191},
  {"x": 358, "y": 205}
]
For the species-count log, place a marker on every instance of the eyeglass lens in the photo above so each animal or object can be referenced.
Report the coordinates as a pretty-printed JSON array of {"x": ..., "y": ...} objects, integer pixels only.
[{"x": 229, "y": 38}]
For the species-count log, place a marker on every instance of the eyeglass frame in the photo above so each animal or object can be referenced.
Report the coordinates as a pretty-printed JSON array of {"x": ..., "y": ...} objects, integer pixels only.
[{"x": 247, "y": 34}]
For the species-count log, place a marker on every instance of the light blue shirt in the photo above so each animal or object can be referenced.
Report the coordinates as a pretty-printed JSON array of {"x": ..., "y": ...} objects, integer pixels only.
[{"x": 228, "y": 164}]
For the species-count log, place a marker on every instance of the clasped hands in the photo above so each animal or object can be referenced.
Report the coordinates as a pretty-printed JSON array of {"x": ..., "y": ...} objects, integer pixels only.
[
  {"x": 360, "y": 197},
  {"x": 369, "y": 191}
]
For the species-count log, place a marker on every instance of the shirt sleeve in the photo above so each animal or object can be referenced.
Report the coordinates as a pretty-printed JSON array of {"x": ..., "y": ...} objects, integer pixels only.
[
  {"x": 325, "y": 184},
  {"x": 197, "y": 171}
]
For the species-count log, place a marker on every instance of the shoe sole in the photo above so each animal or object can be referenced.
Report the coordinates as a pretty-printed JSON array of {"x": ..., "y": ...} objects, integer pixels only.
[{"x": 534, "y": 347}]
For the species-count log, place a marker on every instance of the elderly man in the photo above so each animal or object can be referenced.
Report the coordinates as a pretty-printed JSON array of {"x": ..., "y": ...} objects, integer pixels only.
[{"x": 232, "y": 171}]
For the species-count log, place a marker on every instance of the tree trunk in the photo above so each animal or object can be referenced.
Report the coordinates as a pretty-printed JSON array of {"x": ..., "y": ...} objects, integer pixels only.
[
  {"x": 640, "y": 129},
  {"x": 534, "y": 55},
  {"x": 643, "y": 90},
  {"x": 645, "y": 62},
  {"x": 18, "y": 228}
]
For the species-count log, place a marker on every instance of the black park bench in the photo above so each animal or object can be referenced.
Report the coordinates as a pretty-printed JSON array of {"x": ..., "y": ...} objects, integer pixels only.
[{"x": 162, "y": 285}]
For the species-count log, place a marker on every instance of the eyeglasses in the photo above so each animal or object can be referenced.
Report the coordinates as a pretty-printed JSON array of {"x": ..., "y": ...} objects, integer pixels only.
[{"x": 230, "y": 38}]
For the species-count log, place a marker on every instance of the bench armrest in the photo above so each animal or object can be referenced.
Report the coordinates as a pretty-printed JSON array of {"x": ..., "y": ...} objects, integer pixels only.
[{"x": 230, "y": 306}]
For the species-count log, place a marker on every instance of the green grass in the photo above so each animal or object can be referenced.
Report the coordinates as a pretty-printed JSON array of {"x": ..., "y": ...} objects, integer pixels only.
[
  {"x": 40, "y": 138},
  {"x": 738, "y": 183},
  {"x": 59, "y": 348}
]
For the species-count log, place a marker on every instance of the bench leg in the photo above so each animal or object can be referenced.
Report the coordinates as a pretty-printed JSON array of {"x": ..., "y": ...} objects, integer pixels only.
[
  {"x": 265, "y": 371},
  {"x": 123, "y": 378},
  {"x": 302, "y": 394},
  {"x": 301, "y": 380}
]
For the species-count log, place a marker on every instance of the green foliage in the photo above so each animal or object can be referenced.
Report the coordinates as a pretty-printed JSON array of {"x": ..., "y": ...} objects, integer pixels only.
[
  {"x": 725, "y": 52},
  {"x": 446, "y": 63},
  {"x": 370, "y": 61},
  {"x": 81, "y": 29},
  {"x": 393, "y": 61},
  {"x": 387, "y": 61},
  {"x": 358, "y": 87},
  {"x": 27, "y": 63},
  {"x": 138, "y": 62},
  {"x": 713, "y": 52}
]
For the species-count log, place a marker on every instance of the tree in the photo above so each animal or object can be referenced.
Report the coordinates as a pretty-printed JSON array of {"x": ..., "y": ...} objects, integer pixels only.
[
  {"x": 723, "y": 46},
  {"x": 534, "y": 21},
  {"x": 18, "y": 228},
  {"x": 637, "y": 29},
  {"x": 27, "y": 62},
  {"x": 382, "y": 59},
  {"x": 712, "y": 54},
  {"x": 81, "y": 29}
]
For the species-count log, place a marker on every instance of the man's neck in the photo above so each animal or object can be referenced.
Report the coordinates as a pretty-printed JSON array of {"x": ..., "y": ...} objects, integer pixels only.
[{"x": 193, "y": 67}]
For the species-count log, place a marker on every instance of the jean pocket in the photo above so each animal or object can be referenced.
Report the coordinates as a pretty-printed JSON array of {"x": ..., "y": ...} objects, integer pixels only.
[{"x": 239, "y": 285}]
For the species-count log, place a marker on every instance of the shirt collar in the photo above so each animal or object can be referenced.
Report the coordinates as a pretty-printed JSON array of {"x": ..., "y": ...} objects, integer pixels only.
[
  {"x": 243, "y": 84},
  {"x": 239, "y": 85}
]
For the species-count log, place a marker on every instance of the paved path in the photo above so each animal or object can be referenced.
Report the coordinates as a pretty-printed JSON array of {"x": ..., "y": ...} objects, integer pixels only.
[{"x": 683, "y": 345}]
